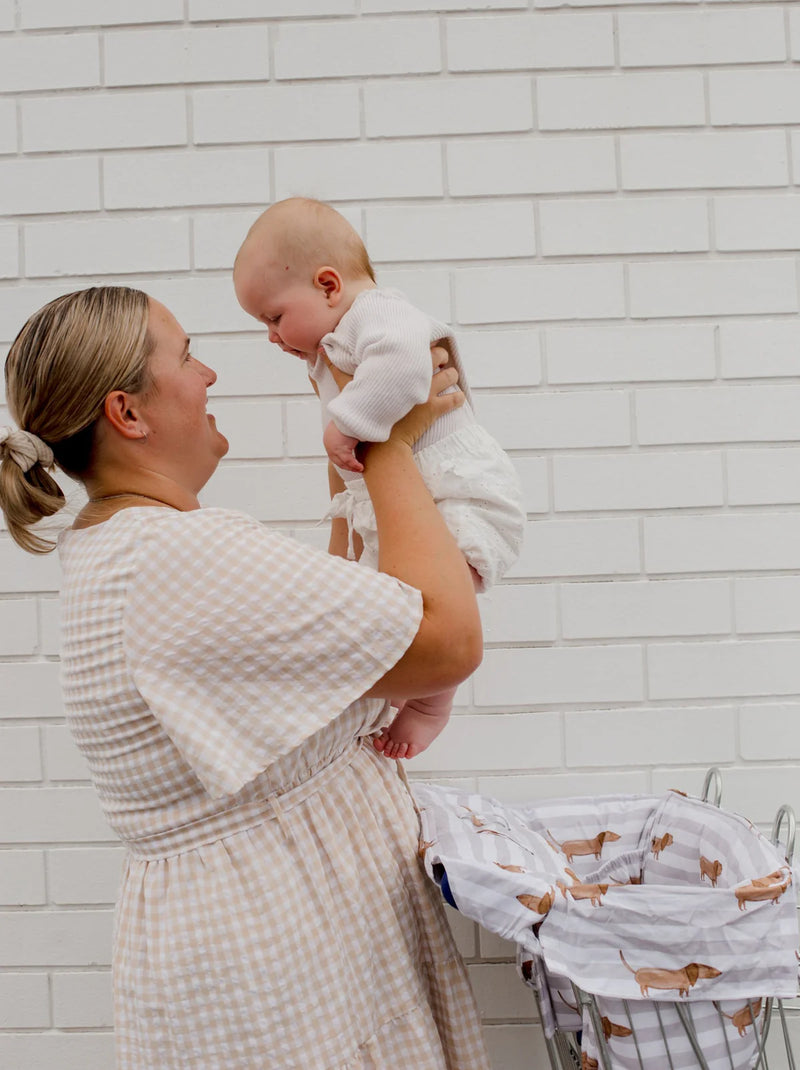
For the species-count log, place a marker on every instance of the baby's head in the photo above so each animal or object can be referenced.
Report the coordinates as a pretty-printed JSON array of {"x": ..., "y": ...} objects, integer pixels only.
[{"x": 299, "y": 270}]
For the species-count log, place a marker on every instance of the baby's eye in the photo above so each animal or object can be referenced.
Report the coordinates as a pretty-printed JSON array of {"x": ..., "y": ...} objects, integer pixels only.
[{"x": 272, "y": 321}]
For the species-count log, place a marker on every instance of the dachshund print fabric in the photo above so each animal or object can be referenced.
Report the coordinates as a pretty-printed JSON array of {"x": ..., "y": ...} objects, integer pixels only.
[{"x": 652, "y": 900}]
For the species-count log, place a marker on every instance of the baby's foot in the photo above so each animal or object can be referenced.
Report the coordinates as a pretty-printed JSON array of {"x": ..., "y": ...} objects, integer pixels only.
[{"x": 412, "y": 730}]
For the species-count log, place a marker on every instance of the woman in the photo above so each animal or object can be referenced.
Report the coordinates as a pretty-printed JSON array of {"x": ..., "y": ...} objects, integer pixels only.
[{"x": 222, "y": 682}]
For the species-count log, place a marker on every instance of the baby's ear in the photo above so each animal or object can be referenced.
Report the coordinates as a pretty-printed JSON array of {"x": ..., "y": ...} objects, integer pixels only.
[{"x": 329, "y": 281}]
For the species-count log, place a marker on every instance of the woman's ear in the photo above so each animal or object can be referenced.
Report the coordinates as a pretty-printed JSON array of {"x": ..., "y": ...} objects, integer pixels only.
[
  {"x": 330, "y": 282},
  {"x": 120, "y": 410}
]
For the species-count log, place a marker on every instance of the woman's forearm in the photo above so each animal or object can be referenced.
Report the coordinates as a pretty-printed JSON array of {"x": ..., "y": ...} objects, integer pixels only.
[{"x": 416, "y": 546}]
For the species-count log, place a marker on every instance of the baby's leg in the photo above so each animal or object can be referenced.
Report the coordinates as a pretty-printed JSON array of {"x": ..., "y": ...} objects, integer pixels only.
[{"x": 418, "y": 722}]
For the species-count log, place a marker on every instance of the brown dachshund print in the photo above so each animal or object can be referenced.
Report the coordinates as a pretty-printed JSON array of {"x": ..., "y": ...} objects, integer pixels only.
[
  {"x": 710, "y": 869},
  {"x": 763, "y": 889},
  {"x": 594, "y": 846},
  {"x": 539, "y": 904},
  {"x": 682, "y": 979},
  {"x": 593, "y": 892},
  {"x": 659, "y": 843},
  {"x": 743, "y": 1017},
  {"x": 423, "y": 847},
  {"x": 614, "y": 1029},
  {"x": 588, "y": 1063},
  {"x": 511, "y": 869}
]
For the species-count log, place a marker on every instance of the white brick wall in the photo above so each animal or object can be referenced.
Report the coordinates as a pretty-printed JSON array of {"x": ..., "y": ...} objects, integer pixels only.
[{"x": 602, "y": 196}]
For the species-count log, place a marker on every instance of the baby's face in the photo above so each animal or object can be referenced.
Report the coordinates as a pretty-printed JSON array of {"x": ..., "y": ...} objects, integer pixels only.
[{"x": 295, "y": 310}]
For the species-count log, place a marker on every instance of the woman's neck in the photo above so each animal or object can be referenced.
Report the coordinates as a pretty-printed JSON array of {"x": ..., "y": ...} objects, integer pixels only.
[{"x": 109, "y": 494}]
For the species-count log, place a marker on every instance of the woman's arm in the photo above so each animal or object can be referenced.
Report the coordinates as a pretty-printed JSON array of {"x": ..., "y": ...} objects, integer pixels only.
[{"x": 417, "y": 547}]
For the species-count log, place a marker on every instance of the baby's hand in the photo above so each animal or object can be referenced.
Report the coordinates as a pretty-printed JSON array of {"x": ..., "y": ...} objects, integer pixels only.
[{"x": 340, "y": 447}]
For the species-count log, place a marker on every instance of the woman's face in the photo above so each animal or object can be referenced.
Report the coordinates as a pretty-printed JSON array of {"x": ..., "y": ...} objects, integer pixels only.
[{"x": 180, "y": 432}]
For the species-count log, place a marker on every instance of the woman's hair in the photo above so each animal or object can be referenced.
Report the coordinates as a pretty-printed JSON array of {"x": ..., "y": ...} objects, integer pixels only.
[{"x": 61, "y": 366}]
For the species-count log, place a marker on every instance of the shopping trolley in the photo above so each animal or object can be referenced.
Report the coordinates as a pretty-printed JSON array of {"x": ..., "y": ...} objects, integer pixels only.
[{"x": 655, "y": 932}]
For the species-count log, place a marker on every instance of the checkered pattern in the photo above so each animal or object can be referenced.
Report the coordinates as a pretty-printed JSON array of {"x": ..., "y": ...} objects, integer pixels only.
[{"x": 273, "y": 913}]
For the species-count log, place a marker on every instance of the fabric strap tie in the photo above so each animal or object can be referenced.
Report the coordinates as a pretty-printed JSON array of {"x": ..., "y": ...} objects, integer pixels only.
[{"x": 25, "y": 448}]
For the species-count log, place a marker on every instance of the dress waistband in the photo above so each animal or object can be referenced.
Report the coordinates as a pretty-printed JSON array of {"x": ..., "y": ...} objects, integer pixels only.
[{"x": 244, "y": 815}]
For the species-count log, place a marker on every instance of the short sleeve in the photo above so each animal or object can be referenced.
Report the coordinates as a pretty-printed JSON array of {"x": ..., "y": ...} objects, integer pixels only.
[{"x": 244, "y": 643}]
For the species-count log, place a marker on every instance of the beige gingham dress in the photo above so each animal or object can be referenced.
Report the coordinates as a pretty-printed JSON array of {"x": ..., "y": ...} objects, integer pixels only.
[{"x": 273, "y": 914}]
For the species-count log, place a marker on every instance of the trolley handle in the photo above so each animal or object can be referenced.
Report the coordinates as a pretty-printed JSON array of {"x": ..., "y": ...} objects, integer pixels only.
[{"x": 785, "y": 814}]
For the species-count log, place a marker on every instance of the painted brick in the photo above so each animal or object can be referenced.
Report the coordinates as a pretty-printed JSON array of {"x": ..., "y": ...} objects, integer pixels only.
[
  {"x": 18, "y": 627},
  {"x": 637, "y": 481},
  {"x": 359, "y": 172},
  {"x": 51, "y": 815},
  {"x": 352, "y": 48},
  {"x": 82, "y": 1000},
  {"x": 212, "y": 10},
  {"x": 459, "y": 106},
  {"x": 22, "y": 881},
  {"x": 248, "y": 366},
  {"x": 56, "y": 938},
  {"x": 630, "y": 353},
  {"x": 753, "y": 542},
  {"x": 30, "y": 689},
  {"x": 540, "y": 292},
  {"x": 698, "y": 38},
  {"x": 751, "y": 98},
  {"x": 757, "y": 222},
  {"x": 67, "y": 1051},
  {"x": 79, "y": 875},
  {"x": 304, "y": 428},
  {"x": 531, "y": 165},
  {"x": 172, "y": 179},
  {"x": 24, "y": 1001},
  {"x": 63, "y": 760},
  {"x": 490, "y": 742},
  {"x": 708, "y": 670},
  {"x": 718, "y": 414},
  {"x": 527, "y": 788},
  {"x": 712, "y": 288},
  {"x": 601, "y": 547},
  {"x": 520, "y": 613},
  {"x": 7, "y": 12},
  {"x": 650, "y": 608},
  {"x": 499, "y": 992},
  {"x": 107, "y": 121},
  {"x": 794, "y": 33},
  {"x": 770, "y": 731},
  {"x": 54, "y": 61},
  {"x": 501, "y": 358},
  {"x": 552, "y": 421},
  {"x": 389, "y": 7},
  {"x": 218, "y": 54},
  {"x": 50, "y": 626},
  {"x": 647, "y": 737},
  {"x": 644, "y": 225},
  {"x": 752, "y": 348},
  {"x": 8, "y": 126},
  {"x": 763, "y": 477},
  {"x": 450, "y": 232},
  {"x": 752, "y": 791},
  {"x": 9, "y": 252},
  {"x": 275, "y": 492},
  {"x": 607, "y": 101},
  {"x": 767, "y": 603},
  {"x": 539, "y": 676},
  {"x": 533, "y": 476},
  {"x": 515, "y": 1047},
  {"x": 253, "y": 428},
  {"x": 275, "y": 113},
  {"x": 525, "y": 42},
  {"x": 463, "y": 930},
  {"x": 46, "y": 14},
  {"x": 19, "y": 754},
  {"x": 46, "y": 184},
  {"x": 718, "y": 159},
  {"x": 428, "y": 288},
  {"x": 105, "y": 246},
  {"x": 202, "y": 305},
  {"x": 217, "y": 237}
]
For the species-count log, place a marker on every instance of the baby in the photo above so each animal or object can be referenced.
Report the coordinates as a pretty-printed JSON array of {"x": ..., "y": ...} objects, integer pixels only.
[{"x": 304, "y": 272}]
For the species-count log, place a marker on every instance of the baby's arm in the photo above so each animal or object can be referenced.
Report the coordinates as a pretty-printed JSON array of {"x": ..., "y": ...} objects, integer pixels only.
[
  {"x": 391, "y": 374},
  {"x": 340, "y": 448}
]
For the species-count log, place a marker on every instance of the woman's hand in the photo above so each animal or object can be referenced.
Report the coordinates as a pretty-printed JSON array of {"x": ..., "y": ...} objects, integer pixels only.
[{"x": 417, "y": 421}]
